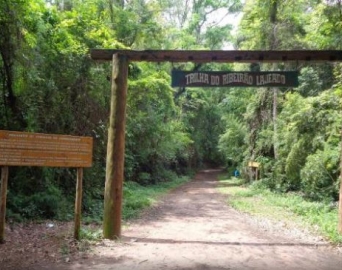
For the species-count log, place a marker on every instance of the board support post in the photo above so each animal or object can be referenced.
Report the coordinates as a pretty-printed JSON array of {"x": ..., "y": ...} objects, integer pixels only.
[
  {"x": 78, "y": 203},
  {"x": 4, "y": 182}
]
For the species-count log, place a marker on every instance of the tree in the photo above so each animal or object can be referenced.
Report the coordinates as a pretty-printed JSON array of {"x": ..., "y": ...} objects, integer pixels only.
[{"x": 306, "y": 125}]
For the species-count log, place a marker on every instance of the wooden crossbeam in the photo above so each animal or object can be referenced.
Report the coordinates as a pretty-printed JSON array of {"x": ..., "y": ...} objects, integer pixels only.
[{"x": 204, "y": 56}]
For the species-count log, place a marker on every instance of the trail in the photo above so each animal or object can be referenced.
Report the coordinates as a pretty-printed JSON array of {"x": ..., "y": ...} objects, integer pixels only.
[{"x": 194, "y": 228}]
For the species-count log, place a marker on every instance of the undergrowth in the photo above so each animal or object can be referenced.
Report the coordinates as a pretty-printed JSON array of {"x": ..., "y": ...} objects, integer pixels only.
[
  {"x": 318, "y": 216},
  {"x": 137, "y": 197}
]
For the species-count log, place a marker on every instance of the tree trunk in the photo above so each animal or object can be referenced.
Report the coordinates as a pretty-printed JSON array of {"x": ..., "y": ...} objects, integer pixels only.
[
  {"x": 275, "y": 115},
  {"x": 273, "y": 11}
]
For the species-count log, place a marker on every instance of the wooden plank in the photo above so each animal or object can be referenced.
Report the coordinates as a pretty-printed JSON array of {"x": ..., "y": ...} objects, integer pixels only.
[
  {"x": 78, "y": 203},
  {"x": 45, "y": 150},
  {"x": 4, "y": 181},
  {"x": 206, "y": 56},
  {"x": 115, "y": 149}
]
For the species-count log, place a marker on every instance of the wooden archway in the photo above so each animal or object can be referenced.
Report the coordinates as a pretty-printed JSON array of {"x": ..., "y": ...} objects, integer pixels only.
[{"x": 116, "y": 131}]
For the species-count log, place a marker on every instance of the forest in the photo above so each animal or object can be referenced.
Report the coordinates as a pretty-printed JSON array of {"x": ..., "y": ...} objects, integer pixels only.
[{"x": 49, "y": 84}]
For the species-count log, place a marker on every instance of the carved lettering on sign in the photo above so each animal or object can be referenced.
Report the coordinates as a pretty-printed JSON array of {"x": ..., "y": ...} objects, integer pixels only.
[{"x": 234, "y": 79}]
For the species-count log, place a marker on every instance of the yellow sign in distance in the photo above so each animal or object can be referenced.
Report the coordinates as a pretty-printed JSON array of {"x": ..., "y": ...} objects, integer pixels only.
[{"x": 253, "y": 164}]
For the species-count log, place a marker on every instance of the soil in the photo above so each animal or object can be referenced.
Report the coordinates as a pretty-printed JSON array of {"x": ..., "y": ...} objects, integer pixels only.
[{"x": 192, "y": 227}]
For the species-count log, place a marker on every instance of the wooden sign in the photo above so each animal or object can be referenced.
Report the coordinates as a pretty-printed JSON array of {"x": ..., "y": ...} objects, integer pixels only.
[
  {"x": 44, "y": 150},
  {"x": 253, "y": 164},
  {"x": 234, "y": 79}
]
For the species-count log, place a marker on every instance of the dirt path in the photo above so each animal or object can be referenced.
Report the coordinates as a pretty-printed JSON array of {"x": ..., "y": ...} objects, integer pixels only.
[{"x": 193, "y": 228}]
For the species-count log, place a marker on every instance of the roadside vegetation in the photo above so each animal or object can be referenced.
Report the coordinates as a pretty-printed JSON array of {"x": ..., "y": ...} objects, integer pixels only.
[
  {"x": 291, "y": 209},
  {"x": 136, "y": 198}
]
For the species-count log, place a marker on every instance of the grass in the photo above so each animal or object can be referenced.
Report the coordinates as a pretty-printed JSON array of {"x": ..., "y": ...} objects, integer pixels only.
[
  {"x": 137, "y": 197},
  {"x": 90, "y": 234},
  {"x": 318, "y": 217}
]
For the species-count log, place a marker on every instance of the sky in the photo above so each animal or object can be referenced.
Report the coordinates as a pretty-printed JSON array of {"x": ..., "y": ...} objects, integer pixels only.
[{"x": 233, "y": 19}]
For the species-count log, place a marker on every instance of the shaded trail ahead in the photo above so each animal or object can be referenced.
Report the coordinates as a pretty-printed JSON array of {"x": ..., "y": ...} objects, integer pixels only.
[{"x": 193, "y": 228}]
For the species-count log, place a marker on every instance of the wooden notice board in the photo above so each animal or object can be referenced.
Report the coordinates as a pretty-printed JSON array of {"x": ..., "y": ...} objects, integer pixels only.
[{"x": 44, "y": 150}]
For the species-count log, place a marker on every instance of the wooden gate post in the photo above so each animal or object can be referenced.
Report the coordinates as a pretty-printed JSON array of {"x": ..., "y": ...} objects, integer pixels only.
[
  {"x": 115, "y": 149},
  {"x": 340, "y": 200},
  {"x": 340, "y": 208},
  {"x": 3, "y": 198}
]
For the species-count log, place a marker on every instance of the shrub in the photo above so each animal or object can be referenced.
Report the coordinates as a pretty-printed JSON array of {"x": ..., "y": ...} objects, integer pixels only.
[{"x": 320, "y": 174}]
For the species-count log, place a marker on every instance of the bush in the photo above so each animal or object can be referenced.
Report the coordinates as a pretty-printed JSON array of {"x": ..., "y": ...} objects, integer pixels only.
[
  {"x": 320, "y": 174},
  {"x": 48, "y": 204}
]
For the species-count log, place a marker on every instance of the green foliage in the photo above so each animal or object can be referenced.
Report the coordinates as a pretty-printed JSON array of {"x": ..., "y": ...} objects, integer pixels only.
[
  {"x": 156, "y": 138},
  {"x": 325, "y": 21},
  {"x": 270, "y": 24},
  {"x": 49, "y": 203},
  {"x": 294, "y": 134},
  {"x": 295, "y": 160},
  {"x": 90, "y": 234},
  {"x": 259, "y": 126},
  {"x": 320, "y": 174},
  {"x": 315, "y": 79},
  {"x": 232, "y": 142},
  {"x": 308, "y": 132},
  {"x": 202, "y": 117}
]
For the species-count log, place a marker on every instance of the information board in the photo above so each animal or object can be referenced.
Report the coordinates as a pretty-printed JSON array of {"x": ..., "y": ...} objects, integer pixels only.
[
  {"x": 45, "y": 150},
  {"x": 234, "y": 79}
]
